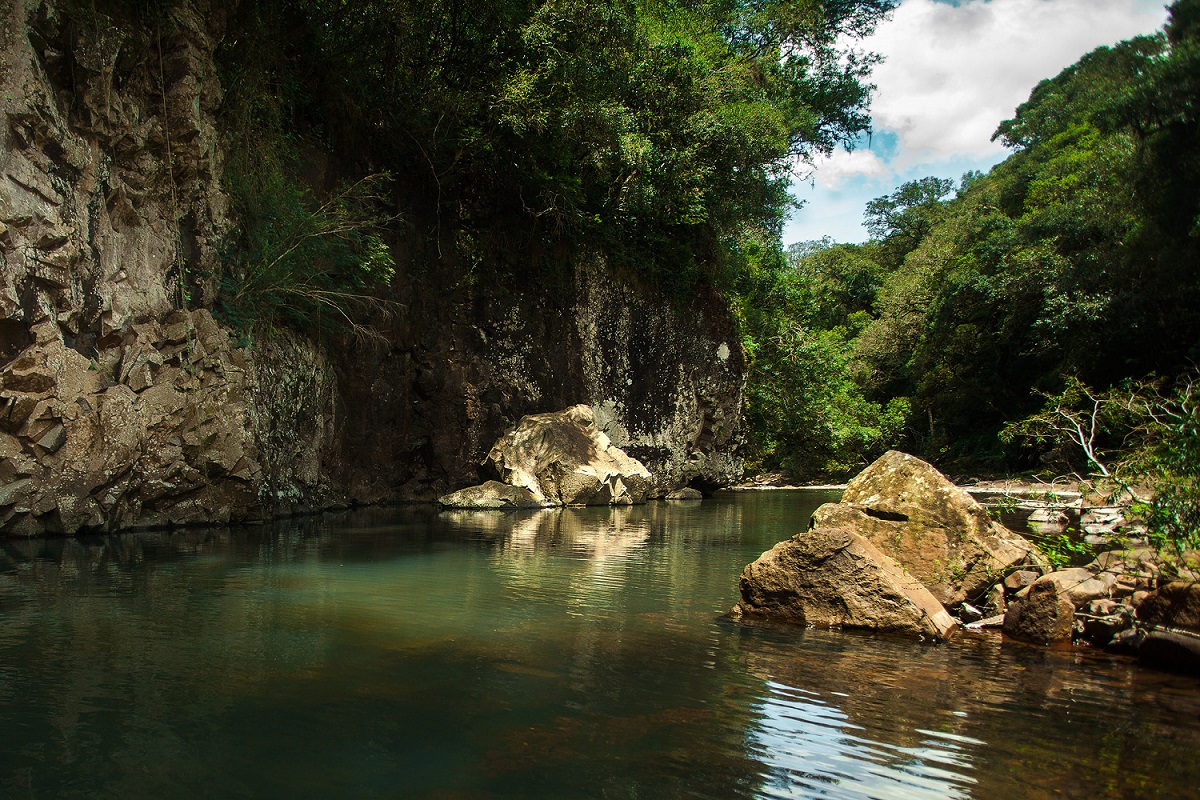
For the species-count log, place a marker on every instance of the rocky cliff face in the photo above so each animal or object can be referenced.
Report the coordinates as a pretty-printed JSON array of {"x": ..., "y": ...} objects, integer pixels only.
[
  {"x": 664, "y": 382},
  {"x": 123, "y": 403}
]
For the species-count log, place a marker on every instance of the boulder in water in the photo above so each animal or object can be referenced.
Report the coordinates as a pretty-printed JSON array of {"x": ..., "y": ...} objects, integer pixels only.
[
  {"x": 1044, "y": 615},
  {"x": 564, "y": 460},
  {"x": 492, "y": 495},
  {"x": 830, "y": 577},
  {"x": 936, "y": 530}
]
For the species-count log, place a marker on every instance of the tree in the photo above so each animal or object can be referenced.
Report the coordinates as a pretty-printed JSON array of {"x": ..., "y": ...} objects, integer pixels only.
[
  {"x": 908, "y": 214},
  {"x": 660, "y": 133},
  {"x": 1142, "y": 431}
]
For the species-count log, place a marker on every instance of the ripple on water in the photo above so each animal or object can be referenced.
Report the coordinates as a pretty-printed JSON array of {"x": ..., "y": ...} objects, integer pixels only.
[{"x": 810, "y": 747}]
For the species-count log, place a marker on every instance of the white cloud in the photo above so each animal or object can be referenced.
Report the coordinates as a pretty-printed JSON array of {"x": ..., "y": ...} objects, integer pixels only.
[
  {"x": 833, "y": 170},
  {"x": 953, "y": 72}
]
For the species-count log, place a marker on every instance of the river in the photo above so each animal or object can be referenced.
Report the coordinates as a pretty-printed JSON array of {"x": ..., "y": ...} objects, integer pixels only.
[{"x": 579, "y": 653}]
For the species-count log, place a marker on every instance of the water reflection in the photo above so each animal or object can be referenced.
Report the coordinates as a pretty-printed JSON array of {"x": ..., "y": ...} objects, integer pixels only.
[{"x": 568, "y": 653}]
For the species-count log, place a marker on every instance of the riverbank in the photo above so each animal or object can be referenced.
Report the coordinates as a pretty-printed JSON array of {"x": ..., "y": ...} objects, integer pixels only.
[{"x": 1070, "y": 494}]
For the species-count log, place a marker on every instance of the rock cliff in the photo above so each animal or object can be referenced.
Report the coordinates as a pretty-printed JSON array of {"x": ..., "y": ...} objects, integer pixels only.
[{"x": 123, "y": 403}]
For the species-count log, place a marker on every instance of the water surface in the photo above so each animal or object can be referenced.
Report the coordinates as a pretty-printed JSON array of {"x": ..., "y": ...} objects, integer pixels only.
[{"x": 551, "y": 654}]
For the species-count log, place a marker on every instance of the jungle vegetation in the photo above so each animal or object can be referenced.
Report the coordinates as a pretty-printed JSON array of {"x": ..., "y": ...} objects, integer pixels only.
[
  {"x": 979, "y": 306},
  {"x": 520, "y": 134}
]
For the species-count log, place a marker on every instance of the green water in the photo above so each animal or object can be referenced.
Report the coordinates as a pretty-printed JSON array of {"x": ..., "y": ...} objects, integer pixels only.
[{"x": 558, "y": 654}]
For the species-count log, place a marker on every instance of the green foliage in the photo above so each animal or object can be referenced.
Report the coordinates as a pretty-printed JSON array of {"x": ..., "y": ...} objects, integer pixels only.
[
  {"x": 658, "y": 132},
  {"x": 302, "y": 263},
  {"x": 1137, "y": 432},
  {"x": 1169, "y": 459},
  {"x": 1079, "y": 420},
  {"x": 1069, "y": 258},
  {"x": 1076, "y": 256},
  {"x": 1063, "y": 549},
  {"x": 306, "y": 253},
  {"x": 906, "y": 216},
  {"x": 805, "y": 412}
]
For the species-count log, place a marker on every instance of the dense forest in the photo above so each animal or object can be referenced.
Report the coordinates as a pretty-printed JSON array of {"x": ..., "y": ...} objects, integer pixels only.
[
  {"x": 1061, "y": 287},
  {"x": 511, "y": 138}
]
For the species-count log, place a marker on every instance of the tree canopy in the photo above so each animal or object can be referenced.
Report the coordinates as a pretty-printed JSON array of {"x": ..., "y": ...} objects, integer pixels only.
[
  {"x": 1074, "y": 259},
  {"x": 660, "y": 132}
]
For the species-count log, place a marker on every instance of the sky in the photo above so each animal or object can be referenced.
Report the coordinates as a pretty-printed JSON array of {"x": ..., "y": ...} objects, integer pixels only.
[{"x": 952, "y": 71}]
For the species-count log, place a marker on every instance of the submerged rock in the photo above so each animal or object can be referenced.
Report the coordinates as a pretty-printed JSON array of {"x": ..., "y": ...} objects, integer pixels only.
[
  {"x": 562, "y": 459},
  {"x": 830, "y": 577},
  {"x": 1176, "y": 650},
  {"x": 936, "y": 530}
]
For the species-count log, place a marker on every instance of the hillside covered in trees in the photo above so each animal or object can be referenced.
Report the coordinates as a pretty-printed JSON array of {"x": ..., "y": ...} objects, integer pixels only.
[{"x": 1069, "y": 271}]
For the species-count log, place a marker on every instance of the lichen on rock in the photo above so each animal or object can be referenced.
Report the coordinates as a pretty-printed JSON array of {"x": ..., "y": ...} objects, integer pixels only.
[{"x": 914, "y": 514}]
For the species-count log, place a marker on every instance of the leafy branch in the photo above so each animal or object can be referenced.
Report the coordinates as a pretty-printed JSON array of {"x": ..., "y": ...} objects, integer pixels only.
[
  {"x": 1142, "y": 431},
  {"x": 308, "y": 267}
]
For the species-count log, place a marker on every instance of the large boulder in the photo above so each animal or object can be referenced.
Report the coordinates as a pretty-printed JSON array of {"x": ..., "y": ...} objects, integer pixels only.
[
  {"x": 830, "y": 577},
  {"x": 934, "y": 529},
  {"x": 1044, "y": 615},
  {"x": 492, "y": 495},
  {"x": 564, "y": 460}
]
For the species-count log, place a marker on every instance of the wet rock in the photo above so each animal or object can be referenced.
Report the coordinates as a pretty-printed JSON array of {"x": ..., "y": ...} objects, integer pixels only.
[
  {"x": 686, "y": 493},
  {"x": 1126, "y": 641},
  {"x": 936, "y": 530},
  {"x": 1177, "y": 650},
  {"x": 562, "y": 459},
  {"x": 1046, "y": 614},
  {"x": 1100, "y": 631},
  {"x": 829, "y": 577},
  {"x": 491, "y": 495}
]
